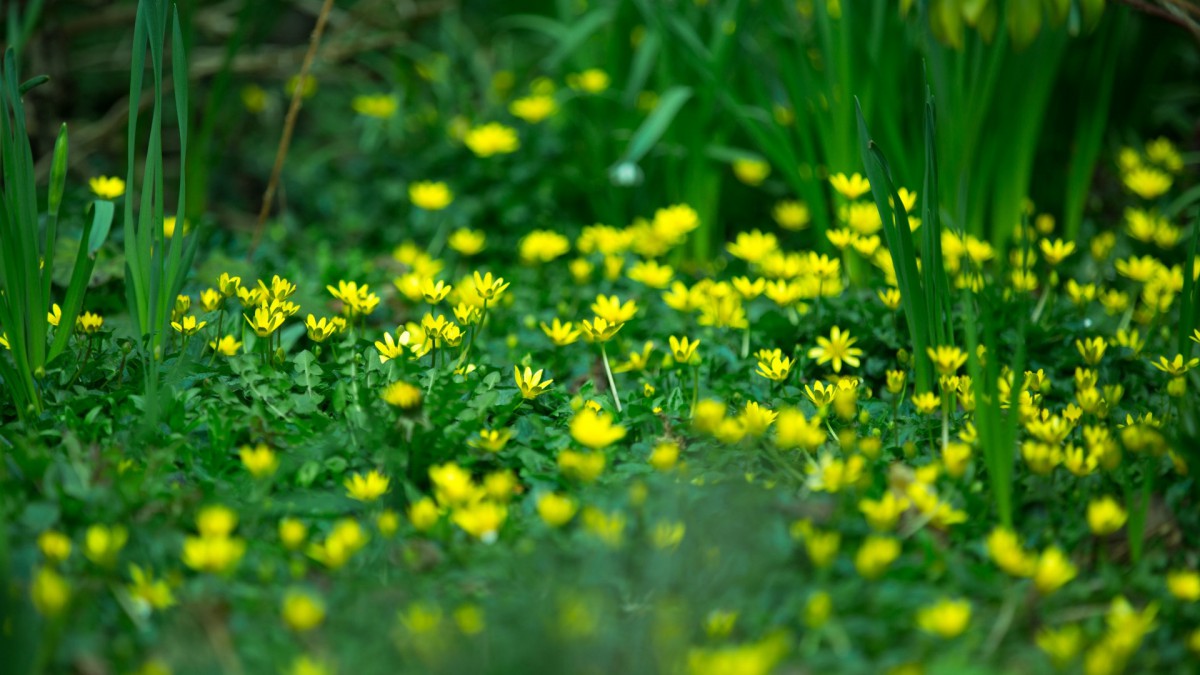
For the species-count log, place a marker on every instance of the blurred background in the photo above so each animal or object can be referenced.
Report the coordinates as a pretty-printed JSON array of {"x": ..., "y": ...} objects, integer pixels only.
[{"x": 629, "y": 105}]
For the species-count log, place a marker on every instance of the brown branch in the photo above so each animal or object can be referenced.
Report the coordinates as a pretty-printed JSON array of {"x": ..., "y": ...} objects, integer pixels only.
[{"x": 289, "y": 125}]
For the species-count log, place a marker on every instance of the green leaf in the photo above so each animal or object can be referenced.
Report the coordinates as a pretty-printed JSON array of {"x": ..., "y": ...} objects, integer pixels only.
[{"x": 655, "y": 125}]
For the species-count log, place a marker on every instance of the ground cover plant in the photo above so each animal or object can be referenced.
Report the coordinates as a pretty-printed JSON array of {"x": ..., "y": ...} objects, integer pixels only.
[{"x": 602, "y": 337}]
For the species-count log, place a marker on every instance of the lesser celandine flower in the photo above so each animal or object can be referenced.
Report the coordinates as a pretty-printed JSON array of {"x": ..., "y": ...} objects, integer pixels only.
[
  {"x": 1184, "y": 584},
  {"x": 1147, "y": 182},
  {"x": 430, "y": 195},
  {"x": 491, "y": 139},
  {"x": 378, "y": 106},
  {"x": 49, "y": 592},
  {"x": 54, "y": 545},
  {"x": 595, "y": 430},
  {"x": 302, "y": 611},
  {"x": 260, "y": 460},
  {"x": 367, "y": 487},
  {"x": 489, "y": 287},
  {"x": 265, "y": 321},
  {"x": 530, "y": 383},
  {"x": 107, "y": 187},
  {"x": 1060, "y": 644},
  {"x": 423, "y": 514},
  {"x": 226, "y": 346},
  {"x": 533, "y": 109},
  {"x": 102, "y": 543},
  {"x": 1177, "y": 366},
  {"x": 591, "y": 81},
  {"x": 774, "y": 366},
  {"x": 1053, "y": 570},
  {"x": 927, "y": 402},
  {"x": 882, "y": 514},
  {"x": 1056, "y": 251},
  {"x": 556, "y": 510},
  {"x": 664, "y": 456},
  {"x": 292, "y": 533},
  {"x": 561, "y": 334},
  {"x": 600, "y": 329},
  {"x": 838, "y": 347},
  {"x": 875, "y": 555},
  {"x": 481, "y": 520},
  {"x": 791, "y": 215},
  {"x": 346, "y": 539},
  {"x": 585, "y": 467},
  {"x": 389, "y": 348},
  {"x": 542, "y": 246},
  {"x": 1105, "y": 516},
  {"x": 147, "y": 591},
  {"x": 319, "y": 330},
  {"x": 946, "y": 618},
  {"x": 751, "y": 171},
  {"x": 401, "y": 394},
  {"x": 188, "y": 326},
  {"x": 491, "y": 440},
  {"x": 88, "y": 323},
  {"x": 683, "y": 349},
  {"x": 851, "y": 188}
]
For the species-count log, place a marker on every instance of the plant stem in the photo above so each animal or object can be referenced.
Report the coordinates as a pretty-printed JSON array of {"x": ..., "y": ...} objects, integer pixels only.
[{"x": 612, "y": 385}]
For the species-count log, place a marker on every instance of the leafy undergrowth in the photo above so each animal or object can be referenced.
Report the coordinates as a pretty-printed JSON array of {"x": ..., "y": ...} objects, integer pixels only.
[{"x": 605, "y": 460}]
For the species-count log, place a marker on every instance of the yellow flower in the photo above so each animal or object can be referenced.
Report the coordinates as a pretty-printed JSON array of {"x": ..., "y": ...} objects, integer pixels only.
[
  {"x": 542, "y": 246},
  {"x": 595, "y": 430},
  {"x": 319, "y": 330},
  {"x": 667, "y": 534},
  {"x": 88, "y": 323},
  {"x": 430, "y": 195},
  {"x": 652, "y": 274},
  {"x": 1056, "y": 251},
  {"x": 607, "y": 527},
  {"x": 612, "y": 310},
  {"x": 533, "y": 109},
  {"x": 836, "y": 348},
  {"x": 821, "y": 546},
  {"x": 107, "y": 187},
  {"x": 49, "y": 592},
  {"x": 1092, "y": 349},
  {"x": 561, "y": 334},
  {"x": 752, "y": 172},
  {"x": 591, "y": 81},
  {"x": 467, "y": 242},
  {"x": 947, "y": 359},
  {"x": 214, "y": 554},
  {"x": 530, "y": 383},
  {"x": 388, "y": 348},
  {"x": 875, "y": 555},
  {"x": 169, "y": 226},
  {"x": 600, "y": 330},
  {"x": 883, "y": 513},
  {"x": 151, "y": 593},
  {"x": 260, "y": 460},
  {"x": 851, "y": 188},
  {"x": 664, "y": 456},
  {"x": 402, "y": 395},
  {"x": 794, "y": 430},
  {"x": 56, "y": 546},
  {"x": 817, "y": 609},
  {"x": 682, "y": 349},
  {"x": 1105, "y": 516},
  {"x": 946, "y": 618},
  {"x": 302, "y": 611},
  {"x": 491, "y": 440},
  {"x": 307, "y": 86},
  {"x": 102, "y": 543},
  {"x": 189, "y": 326},
  {"x": 54, "y": 316},
  {"x": 791, "y": 215},
  {"x": 489, "y": 288},
  {"x": 356, "y": 300},
  {"x": 1177, "y": 366},
  {"x": 774, "y": 367},
  {"x": 1054, "y": 569},
  {"x": 367, "y": 488},
  {"x": 226, "y": 346},
  {"x": 927, "y": 402},
  {"x": 423, "y": 514},
  {"x": 753, "y": 246},
  {"x": 292, "y": 533},
  {"x": 435, "y": 293},
  {"x": 556, "y": 510},
  {"x": 265, "y": 321},
  {"x": 585, "y": 467},
  {"x": 211, "y": 299},
  {"x": 1061, "y": 644},
  {"x": 306, "y": 665},
  {"x": 1147, "y": 182},
  {"x": 1184, "y": 584},
  {"x": 379, "y": 106},
  {"x": 491, "y": 139},
  {"x": 481, "y": 520}
]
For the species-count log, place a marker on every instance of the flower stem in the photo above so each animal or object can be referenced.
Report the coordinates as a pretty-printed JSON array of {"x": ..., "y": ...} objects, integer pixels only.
[{"x": 612, "y": 385}]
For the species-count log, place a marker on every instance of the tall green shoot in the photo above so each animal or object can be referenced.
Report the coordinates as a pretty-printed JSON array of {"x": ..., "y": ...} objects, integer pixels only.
[{"x": 156, "y": 266}]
